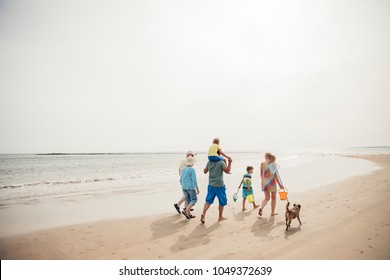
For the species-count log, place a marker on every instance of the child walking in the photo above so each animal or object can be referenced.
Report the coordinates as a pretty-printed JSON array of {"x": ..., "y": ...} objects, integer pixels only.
[
  {"x": 190, "y": 187},
  {"x": 247, "y": 188}
]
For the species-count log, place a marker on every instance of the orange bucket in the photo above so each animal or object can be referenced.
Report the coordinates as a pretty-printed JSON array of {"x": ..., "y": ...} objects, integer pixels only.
[{"x": 283, "y": 194}]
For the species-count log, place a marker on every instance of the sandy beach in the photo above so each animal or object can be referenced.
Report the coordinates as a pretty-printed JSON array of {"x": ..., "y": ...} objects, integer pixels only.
[{"x": 346, "y": 220}]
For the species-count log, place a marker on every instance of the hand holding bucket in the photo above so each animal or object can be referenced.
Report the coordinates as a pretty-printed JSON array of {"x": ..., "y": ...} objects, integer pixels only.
[
  {"x": 284, "y": 191},
  {"x": 283, "y": 194}
]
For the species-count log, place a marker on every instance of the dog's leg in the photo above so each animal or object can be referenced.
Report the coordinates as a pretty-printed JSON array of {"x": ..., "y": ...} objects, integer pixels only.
[
  {"x": 288, "y": 225},
  {"x": 287, "y": 213},
  {"x": 299, "y": 220}
]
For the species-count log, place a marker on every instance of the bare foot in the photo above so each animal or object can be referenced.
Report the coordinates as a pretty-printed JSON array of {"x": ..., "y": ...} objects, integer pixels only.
[
  {"x": 255, "y": 206},
  {"x": 260, "y": 212},
  {"x": 274, "y": 214},
  {"x": 222, "y": 219},
  {"x": 202, "y": 219},
  {"x": 243, "y": 209}
]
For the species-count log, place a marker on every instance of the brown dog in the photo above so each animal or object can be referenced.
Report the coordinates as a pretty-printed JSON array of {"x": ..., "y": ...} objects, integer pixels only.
[{"x": 292, "y": 213}]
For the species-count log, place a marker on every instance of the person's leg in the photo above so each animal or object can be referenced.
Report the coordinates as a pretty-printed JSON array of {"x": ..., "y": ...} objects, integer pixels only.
[
  {"x": 188, "y": 201},
  {"x": 222, "y": 199},
  {"x": 181, "y": 200},
  {"x": 193, "y": 200},
  {"x": 254, "y": 202},
  {"x": 265, "y": 201},
  {"x": 188, "y": 209},
  {"x": 177, "y": 205},
  {"x": 273, "y": 203},
  {"x": 209, "y": 200},
  {"x": 244, "y": 194},
  {"x": 203, "y": 216},
  {"x": 252, "y": 198},
  {"x": 220, "y": 210}
]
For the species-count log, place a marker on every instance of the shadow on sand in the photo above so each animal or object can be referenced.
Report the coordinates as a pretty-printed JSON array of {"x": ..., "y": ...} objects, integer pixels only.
[
  {"x": 240, "y": 215},
  {"x": 167, "y": 226},
  {"x": 291, "y": 231},
  {"x": 201, "y": 235},
  {"x": 266, "y": 228}
]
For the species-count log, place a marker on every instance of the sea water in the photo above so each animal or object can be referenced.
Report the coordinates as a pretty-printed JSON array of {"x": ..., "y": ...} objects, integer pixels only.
[
  {"x": 42, "y": 191},
  {"x": 27, "y": 176}
]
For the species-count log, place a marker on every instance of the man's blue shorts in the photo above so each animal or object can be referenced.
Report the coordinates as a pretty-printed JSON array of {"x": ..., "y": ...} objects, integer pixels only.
[{"x": 219, "y": 192}]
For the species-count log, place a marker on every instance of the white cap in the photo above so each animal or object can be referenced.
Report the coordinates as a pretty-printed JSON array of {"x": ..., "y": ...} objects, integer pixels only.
[
  {"x": 190, "y": 153},
  {"x": 190, "y": 161}
]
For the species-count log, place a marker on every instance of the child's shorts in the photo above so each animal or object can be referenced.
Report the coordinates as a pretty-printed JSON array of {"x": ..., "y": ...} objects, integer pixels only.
[
  {"x": 190, "y": 196},
  {"x": 219, "y": 192},
  {"x": 245, "y": 192},
  {"x": 215, "y": 158}
]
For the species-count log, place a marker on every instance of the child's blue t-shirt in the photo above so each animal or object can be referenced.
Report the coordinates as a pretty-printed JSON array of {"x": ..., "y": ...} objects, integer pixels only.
[{"x": 188, "y": 178}]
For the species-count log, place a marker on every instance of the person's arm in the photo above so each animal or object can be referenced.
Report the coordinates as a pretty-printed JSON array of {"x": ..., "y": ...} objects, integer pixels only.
[
  {"x": 228, "y": 167},
  {"x": 278, "y": 180},
  {"x": 197, "y": 190},
  {"x": 194, "y": 178},
  {"x": 261, "y": 171},
  {"x": 223, "y": 154},
  {"x": 206, "y": 169}
]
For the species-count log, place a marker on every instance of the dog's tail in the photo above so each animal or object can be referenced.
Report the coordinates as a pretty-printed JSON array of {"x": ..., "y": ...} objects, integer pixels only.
[{"x": 287, "y": 205}]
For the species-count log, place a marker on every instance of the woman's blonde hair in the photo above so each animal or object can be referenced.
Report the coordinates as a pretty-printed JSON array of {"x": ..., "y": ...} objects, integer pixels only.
[{"x": 270, "y": 157}]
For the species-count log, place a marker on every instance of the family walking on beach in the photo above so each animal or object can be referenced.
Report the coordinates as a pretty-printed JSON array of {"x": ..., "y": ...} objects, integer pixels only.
[{"x": 218, "y": 164}]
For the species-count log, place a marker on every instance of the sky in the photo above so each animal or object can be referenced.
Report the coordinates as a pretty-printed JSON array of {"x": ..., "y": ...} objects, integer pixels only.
[{"x": 161, "y": 76}]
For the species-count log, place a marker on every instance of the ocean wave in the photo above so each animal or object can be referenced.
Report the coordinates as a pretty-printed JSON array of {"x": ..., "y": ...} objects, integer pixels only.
[{"x": 54, "y": 183}]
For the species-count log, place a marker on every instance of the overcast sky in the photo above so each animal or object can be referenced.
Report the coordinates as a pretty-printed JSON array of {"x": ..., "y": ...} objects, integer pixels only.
[{"x": 136, "y": 76}]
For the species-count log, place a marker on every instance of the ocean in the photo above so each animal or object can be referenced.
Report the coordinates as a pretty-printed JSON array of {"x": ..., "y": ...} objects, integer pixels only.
[
  {"x": 28, "y": 176},
  {"x": 44, "y": 191}
]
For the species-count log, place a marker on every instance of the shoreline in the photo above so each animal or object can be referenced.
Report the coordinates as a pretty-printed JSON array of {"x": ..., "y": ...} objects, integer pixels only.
[
  {"x": 346, "y": 220},
  {"x": 30, "y": 214}
]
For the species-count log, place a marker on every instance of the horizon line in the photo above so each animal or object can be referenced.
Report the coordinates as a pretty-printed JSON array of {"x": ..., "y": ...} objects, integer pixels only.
[{"x": 180, "y": 152}]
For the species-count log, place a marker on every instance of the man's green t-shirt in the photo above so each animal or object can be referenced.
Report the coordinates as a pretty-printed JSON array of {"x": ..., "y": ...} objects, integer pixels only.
[{"x": 216, "y": 173}]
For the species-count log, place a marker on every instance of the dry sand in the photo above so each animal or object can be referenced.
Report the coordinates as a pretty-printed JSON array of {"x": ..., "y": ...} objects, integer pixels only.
[{"x": 347, "y": 220}]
